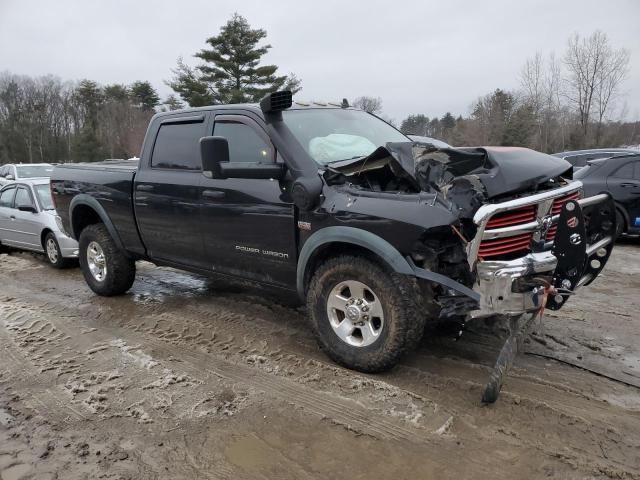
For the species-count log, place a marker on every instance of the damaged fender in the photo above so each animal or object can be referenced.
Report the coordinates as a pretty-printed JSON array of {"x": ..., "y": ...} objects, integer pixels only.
[{"x": 380, "y": 247}]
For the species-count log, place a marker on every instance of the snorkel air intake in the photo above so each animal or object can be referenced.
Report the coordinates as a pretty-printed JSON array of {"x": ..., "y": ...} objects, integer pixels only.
[{"x": 307, "y": 185}]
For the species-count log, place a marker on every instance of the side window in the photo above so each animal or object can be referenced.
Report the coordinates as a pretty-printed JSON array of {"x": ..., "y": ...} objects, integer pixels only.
[
  {"x": 245, "y": 144},
  {"x": 6, "y": 197},
  {"x": 23, "y": 197},
  {"x": 178, "y": 146},
  {"x": 625, "y": 171}
]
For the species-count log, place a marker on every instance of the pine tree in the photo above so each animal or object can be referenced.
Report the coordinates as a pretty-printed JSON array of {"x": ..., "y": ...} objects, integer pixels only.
[
  {"x": 188, "y": 83},
  {"x": 172, "y": 103},
  {"x": 87, "y": 146},
  {"x": 415, "y": 125},
  {"x": 145, "y": 95},
  {"x": 231, "y": 72},
  {"x": 115, "y": 92}
]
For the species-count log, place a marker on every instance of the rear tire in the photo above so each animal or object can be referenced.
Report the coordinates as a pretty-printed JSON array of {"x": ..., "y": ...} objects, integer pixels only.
[
  {"x": 53, "y": 254},
  {"x": 364, "y": 317},
  {"x": 106, "y": 269}
]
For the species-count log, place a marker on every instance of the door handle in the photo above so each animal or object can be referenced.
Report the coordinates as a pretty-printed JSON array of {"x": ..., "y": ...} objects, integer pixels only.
[
  {"x": 630, "y": 185},
  {"x": 12, "y": 217},
  {"x": 144, "y": 188},
  {"x": 213, "y": 194}
]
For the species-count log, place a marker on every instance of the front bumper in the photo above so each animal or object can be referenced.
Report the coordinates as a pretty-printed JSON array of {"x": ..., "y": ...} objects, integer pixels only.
[
  {"x": 68, "y": 246},
  {"x": 582, "y": 245}
]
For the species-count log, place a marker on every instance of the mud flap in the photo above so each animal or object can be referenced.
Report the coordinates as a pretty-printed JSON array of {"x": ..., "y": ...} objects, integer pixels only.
[{"x": 519, "y": 327}]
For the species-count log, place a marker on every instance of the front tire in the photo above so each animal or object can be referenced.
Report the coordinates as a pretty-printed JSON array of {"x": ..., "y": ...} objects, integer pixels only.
[
  {"x": 364, "y": 317},
  {"x": 106, "y": 269},
  {"x": 53, "y": 254}
]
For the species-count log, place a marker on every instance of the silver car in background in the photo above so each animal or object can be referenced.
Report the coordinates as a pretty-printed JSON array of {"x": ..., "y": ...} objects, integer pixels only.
[
  {"x": 28, "y": 221},
  {"x": 22, "y": 171}
]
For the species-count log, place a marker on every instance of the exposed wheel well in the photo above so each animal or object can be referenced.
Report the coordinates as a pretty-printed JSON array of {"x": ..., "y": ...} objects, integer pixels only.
[
  {"x": 82, "y": 217},
  {"x": 333, "y": 249},
  {"x": 43, "y": 236}
]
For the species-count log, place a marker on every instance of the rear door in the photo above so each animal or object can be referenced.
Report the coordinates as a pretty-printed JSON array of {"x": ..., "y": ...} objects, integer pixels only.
[
  {"x": 166, "y": 195},
  {"x": 624, "y": 185},
  {"x": 248, "y": 224}
]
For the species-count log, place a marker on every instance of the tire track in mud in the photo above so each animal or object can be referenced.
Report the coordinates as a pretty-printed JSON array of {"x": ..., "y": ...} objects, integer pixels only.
[
  {"x": 342, "y": 411},
  {"x": 242, "y": 330},
  {"x": 313, "y": 401}
]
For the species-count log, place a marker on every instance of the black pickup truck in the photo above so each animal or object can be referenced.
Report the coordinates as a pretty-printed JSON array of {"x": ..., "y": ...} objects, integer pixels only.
[{"x": 376, "y": 233}]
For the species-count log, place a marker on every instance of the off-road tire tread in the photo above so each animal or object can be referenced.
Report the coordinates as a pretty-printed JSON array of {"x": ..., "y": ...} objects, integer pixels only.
[
  {"x": 399, "y": 296},
  {"x": 121, "y": 270}
]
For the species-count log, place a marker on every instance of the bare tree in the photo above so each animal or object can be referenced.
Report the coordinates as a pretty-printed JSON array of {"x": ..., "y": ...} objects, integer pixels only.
[
  {"x": 608, "y": 85},
  {"x": 592, "y": 64},
  {"x": 369, "y": 104}
]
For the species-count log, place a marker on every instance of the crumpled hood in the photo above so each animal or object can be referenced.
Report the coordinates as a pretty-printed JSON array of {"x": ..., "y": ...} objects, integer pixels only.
[{"x": 495, "y": 170}]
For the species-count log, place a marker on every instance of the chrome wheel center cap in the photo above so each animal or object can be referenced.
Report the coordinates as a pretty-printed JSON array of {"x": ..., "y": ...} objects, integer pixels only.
[{"x": 353, "y": 313}]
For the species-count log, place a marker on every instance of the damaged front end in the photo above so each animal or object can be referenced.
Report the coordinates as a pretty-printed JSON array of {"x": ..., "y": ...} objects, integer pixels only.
[{"x": 521, "y": 236}]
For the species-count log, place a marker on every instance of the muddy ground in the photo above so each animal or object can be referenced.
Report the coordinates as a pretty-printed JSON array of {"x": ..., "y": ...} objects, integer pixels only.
[{"x": 187, "y": 379}]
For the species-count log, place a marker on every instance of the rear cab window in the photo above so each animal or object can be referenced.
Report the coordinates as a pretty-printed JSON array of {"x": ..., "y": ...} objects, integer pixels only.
[{"x": 177, "y": 145}]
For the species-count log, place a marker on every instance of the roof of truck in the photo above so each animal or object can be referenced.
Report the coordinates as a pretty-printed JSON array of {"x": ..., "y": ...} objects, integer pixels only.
[{"x": 254, "y": 107}]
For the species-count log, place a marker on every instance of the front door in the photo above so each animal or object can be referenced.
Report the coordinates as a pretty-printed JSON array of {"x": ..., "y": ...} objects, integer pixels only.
[
  {"x": 25, "y": 226},
  {"x": 167, "y": 193},
  {"x": 248, "y": 225}
]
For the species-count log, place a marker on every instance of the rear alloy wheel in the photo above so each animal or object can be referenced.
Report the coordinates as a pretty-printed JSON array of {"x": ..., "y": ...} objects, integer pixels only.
[
  {"x": 53, "y": 254},
  {"x": 364, "y": 316},
  {"x": 106, "y": 269}
]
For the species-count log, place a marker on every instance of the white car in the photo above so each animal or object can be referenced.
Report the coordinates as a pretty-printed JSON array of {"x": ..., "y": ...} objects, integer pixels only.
[
  {"x": 28, "y": 221},
  {"x": 22, "y": 171}
]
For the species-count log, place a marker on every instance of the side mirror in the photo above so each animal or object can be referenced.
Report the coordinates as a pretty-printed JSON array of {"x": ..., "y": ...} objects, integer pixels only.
[
  {"x": 214, "y": 152},
  {"x": 9, "y": 177},
  {"x": 27, "y": 208}
]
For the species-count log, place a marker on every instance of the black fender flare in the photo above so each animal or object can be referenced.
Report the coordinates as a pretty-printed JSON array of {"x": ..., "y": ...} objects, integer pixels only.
[
  {"x": 89, "y": 201},
  {"x": 378, "y": 245}
]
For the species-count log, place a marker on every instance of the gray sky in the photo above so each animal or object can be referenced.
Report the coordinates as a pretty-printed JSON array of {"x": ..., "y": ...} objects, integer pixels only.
[{"x": 419, "y": 57}]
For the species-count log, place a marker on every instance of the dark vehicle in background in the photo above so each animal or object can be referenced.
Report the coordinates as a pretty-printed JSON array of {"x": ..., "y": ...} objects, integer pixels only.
[
  {"x": 22, "y": 171},
  {"x": 620, "y": 177},
  {"x": 376, "y": 233},
  {"x": 580, "y": 158}
]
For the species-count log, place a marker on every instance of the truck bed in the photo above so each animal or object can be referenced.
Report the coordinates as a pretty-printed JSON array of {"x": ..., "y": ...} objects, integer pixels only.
[{"x": 110, "y": 183}]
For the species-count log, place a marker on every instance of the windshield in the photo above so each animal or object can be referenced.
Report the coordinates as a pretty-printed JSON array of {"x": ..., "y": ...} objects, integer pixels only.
[
  {"x": 32, "y": 171},
  {"x": 333, "y": 134},
  {"x": 43, "y": 192}
]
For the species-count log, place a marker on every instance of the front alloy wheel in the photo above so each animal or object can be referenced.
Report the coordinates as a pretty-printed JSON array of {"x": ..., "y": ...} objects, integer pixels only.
[
  {"x": 364, "y": 316},
  {"x": 355, "y": 313}
]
